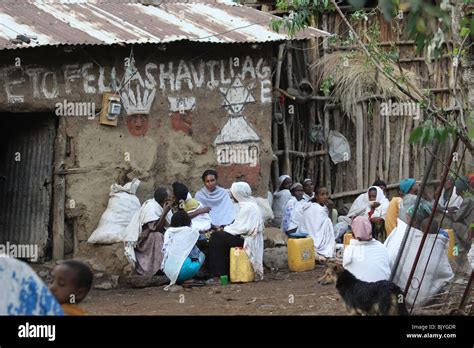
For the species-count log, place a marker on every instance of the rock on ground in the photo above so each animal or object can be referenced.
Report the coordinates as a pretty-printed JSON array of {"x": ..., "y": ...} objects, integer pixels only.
[
  {"x": 276, "y": 258},
  {"x": 274, "y": 237}
]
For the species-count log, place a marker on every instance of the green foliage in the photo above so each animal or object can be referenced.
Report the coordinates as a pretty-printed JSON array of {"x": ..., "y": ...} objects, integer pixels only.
[
  {"x": 326, "y": 85},
  {"x": 427, "y": 133}
]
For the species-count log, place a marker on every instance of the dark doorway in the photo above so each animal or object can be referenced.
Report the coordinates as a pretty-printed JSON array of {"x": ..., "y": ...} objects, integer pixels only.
[{"x": 26, "y": 172}]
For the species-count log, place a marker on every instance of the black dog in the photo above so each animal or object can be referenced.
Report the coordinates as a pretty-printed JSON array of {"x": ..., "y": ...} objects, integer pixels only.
[{"x": 364, "y": 298}]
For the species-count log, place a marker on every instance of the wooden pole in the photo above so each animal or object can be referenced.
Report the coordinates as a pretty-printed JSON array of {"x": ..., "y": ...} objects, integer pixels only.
[
  {"x": 276, "y": 167},
  {"x": 359, "y": 119},
  {"x": 59, "y": 191},
  {"x": 327, "y": 160}
]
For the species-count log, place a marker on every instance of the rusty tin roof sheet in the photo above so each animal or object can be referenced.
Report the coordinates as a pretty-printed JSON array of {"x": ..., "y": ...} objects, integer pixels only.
[{"x": 81, "y": 22}]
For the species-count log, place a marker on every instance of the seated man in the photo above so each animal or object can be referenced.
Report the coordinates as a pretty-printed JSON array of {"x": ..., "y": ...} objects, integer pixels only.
[
  {"x": 438, "y": 272},
  {"x": 317, "y": 224},
  {"x": 293, "y": 210},
  {"x": 144, "y": 234}
]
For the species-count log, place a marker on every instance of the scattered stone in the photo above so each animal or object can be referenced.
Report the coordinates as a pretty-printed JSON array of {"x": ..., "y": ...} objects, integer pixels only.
[
  {"x": 274, "y": 237},
  {"x": 175, "y": 288},
  {"x": 98, "y": 267},
  {"x": 108, "y": 283},
  {"x": 43, "y": 274},
  {"x": 276, "y": 258},
  {"x": 139, "y": 281}
]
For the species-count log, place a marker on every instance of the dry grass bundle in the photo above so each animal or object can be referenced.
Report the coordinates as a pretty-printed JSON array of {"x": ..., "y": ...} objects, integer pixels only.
[{"x": 354, "y": 77}]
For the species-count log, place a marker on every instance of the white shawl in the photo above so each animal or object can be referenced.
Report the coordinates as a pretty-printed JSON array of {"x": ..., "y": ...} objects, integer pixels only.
[
  {"x": 316, "y": 223},
  {"x": 280, "y": 198},
  {"x": 222, "y": 209},
  {"x": 455, "y": 200},
  {"x": 149, "y": 211},
  {"x": 249, "y": 224},
  {"x": 361, "y": 206},
  {"x": 178, "y": 243}
]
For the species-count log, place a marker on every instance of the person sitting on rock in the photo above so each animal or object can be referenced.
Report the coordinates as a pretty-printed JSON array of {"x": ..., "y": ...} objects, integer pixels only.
[
  {"x": 317, "y": 224},
  {"x": 246, "y": 231},
  {"x": 144, "y": 235},
  {"x": 280, "y": 198},
  {"x": 293, "y": 210}
]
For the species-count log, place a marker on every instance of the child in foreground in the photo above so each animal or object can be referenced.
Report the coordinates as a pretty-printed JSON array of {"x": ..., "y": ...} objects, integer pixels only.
[{"x": 71, "y": 283}]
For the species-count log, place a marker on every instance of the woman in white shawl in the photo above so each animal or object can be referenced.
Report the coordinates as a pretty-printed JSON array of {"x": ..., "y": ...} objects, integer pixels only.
[
  {"x": 246, "y": 231},
  {"x": 317, "y": 224},
  {"x": 280, "y": 198},
  {"x": 373, "y": 203},
  {"x": 217, "y": 199},
  {"x": 182, "y": 259}
]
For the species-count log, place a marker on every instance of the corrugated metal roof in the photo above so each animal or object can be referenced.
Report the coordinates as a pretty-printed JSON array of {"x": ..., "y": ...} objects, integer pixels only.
[{"x": 108, "y": 22}]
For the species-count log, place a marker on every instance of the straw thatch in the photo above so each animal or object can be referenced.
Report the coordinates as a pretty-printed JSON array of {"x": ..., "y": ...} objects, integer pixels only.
[{"x": 355, "y": 77}]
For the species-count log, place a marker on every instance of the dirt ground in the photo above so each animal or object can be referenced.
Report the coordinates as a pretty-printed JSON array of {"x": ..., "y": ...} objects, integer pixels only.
[{"x": 280, "y": 293}]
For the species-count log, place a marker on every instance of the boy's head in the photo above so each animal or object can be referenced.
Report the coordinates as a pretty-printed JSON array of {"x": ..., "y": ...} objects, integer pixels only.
[
  {"x": 297, "y": 191},
  {"x": 180, "y": 219},
  {"x": 321, "y": 195},
  {"x": 72, "y": 281},
  {"x": 161, "y": 195}
]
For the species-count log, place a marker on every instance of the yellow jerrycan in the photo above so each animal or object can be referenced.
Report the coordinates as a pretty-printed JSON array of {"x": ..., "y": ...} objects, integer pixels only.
[
  {"x": 241, "y": 270},
  {"x": 300, "y": 254},
  {"x": 451, "y": 244},
  {"x": 347, "y": 239}
]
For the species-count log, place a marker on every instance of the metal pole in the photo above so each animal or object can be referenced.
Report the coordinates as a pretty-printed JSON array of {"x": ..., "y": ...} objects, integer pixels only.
[
  {"x": 425, "y": 232},
  {"x": 466, "y": 291},
  {"x": 415, "y": 209}
]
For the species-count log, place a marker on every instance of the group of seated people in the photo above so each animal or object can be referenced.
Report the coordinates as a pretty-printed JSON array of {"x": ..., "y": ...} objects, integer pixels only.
[
  {"x": 179, "y": 235},
  {"x": 378, "y": 227}
]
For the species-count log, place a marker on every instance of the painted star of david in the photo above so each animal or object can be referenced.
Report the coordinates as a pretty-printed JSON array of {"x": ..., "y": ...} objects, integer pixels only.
[{"x": 236, "y": 96}]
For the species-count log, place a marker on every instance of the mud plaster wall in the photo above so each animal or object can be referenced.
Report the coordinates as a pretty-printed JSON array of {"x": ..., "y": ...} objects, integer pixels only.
[{"x": 203, "y": 102}]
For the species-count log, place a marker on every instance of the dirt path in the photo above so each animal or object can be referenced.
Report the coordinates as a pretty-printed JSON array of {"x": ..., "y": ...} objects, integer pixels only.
[{"x": 281, "y": 293}]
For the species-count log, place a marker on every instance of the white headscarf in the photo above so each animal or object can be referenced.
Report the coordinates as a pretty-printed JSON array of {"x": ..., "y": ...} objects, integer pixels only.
[
  {"x": 178, "y": 243},
  {"x": 380, "y": 211},
  {"x": 249, "y": 224},
  {"x": 281, "y": 179}
]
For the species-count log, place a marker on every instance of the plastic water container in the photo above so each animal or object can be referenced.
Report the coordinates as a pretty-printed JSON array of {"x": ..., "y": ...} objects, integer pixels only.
[
  {"x": 301, "y": 254},
  {"x": 451, "y": 244},
  {"x": 347, "y": 238},
  {"x": 241, "y": 270}
]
